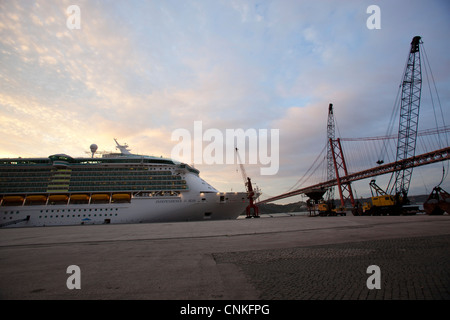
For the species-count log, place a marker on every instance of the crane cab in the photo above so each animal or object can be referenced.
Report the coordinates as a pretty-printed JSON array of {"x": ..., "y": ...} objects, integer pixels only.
[{"x": 383, "y": 200}]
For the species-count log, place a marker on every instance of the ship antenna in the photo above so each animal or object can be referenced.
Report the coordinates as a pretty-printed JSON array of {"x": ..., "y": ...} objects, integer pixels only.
[{"x": 123, "y": 148}]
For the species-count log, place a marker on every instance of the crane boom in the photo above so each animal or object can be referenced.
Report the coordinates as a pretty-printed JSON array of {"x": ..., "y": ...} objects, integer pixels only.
[
  {"x": 409, "y": 119},
  {"x": 243, "y": 173},
  {"x": 330, "y": 164}
]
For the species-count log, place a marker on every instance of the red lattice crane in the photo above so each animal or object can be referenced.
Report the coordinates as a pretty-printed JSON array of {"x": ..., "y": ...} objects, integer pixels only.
[{"x": 250, "y": 192}]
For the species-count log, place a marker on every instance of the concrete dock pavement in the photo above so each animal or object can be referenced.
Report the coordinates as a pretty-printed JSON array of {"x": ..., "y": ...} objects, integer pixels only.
[{"x": 293, "y": 257}]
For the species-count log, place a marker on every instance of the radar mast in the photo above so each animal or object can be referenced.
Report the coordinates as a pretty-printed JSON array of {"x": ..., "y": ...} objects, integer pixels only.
[{"x": 123, "y": 148}]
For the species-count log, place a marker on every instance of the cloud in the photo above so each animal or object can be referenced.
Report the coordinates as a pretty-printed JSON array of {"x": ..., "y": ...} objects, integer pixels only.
[{"x": 138, "y": 70}]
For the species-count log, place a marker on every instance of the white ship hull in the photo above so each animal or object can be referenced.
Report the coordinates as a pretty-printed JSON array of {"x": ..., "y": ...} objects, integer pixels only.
[
  {"x": 117, "y": 188},
  {"x": 207, "y": 206}
]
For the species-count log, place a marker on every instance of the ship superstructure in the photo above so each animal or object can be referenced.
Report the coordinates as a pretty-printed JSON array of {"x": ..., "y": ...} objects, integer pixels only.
[{"x": 115, "y": 188}]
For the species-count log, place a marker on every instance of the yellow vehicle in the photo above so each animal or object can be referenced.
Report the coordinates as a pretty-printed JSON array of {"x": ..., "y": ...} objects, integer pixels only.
[
  {"x": 366, "y": 207},
  {"x": 328, "y": 209},
  {"x": 323, "y": 207},
  {"x": 381, "y": 203},
  {"x": 384, "y": 200},
  {"x": 386, "y": 204}
]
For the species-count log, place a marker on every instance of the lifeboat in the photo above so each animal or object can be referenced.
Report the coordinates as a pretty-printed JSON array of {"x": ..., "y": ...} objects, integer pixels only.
[
  {"x": 117, "y": 197},
  {"x": 36, "y": 199},
  {"x": 11, "y": 200},
  {"x": 79, "y": 197},
  {"x": 58, "y": 198},
  {"x": 100, "y": 197}
]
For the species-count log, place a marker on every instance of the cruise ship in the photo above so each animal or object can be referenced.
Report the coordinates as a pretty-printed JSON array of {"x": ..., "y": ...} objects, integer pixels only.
[{"x": 118, "y": 187}]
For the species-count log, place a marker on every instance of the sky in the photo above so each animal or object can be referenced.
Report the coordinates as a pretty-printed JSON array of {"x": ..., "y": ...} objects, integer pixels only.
[{"x": 139, "y": 71}]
